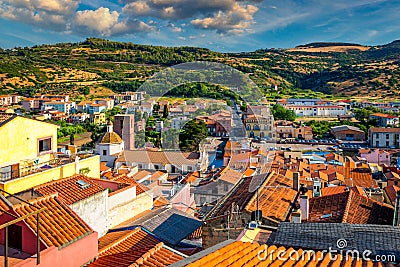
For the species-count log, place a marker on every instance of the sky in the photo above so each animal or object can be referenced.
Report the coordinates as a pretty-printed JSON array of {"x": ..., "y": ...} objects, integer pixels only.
[{"x": 221, "y": 25}]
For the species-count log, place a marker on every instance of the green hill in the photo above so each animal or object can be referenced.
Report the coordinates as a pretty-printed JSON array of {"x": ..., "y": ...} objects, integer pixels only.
[{"x": 104, "y": 66}]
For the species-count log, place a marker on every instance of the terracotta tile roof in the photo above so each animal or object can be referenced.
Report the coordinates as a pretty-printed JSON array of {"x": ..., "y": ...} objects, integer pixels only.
[
  {"x": 104, "y": 167},
  {"x": 130, "y": 180},
  {"x": 332, "y": 190},
  {"x": 248, "y": 172},
  {"x": 69, "y": 190},
  {"x": 59, "y": 224},
  {"x": 5, "y": 205},
  {"x": 275, "y": 196},
  {"x": 6, "y": 117},
  {"x": 384, "y": 130},
  {"x": 162, "y": 157},
  {"x": 240, "y": 253},
  {"x": 133, "y": 248},
  {"x": 229, "y": 175},
  {"x": 359, "y": 178},
  {"x": 391, "y": 192},
  {"x": 274, "y": 202},
  {"x": 191, "y": 177},
  {"x": 349, "y": 207},
  {"x": 160, "y": 201},
  {"x": 383, "y": 115},
  {"x": 141, "y": 174}
]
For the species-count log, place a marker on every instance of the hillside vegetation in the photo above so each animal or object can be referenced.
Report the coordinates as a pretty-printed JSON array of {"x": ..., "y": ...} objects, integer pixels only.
[{"x": 98, "y": 67}]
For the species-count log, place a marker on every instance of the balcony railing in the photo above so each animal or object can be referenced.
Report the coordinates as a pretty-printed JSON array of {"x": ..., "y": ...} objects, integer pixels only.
[{"x": 29, "y": 167}]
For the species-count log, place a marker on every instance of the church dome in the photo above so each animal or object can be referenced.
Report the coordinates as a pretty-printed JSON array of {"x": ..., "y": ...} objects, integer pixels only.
[{"x": 110, "y": 137}]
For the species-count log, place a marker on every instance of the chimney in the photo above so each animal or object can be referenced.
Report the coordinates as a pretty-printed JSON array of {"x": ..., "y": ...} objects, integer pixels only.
[
  {"x": 296, "y": 216},
  {"x": 296, "y": 181},
  {"x": 396, "y": 217},
  {"x": 304, "y": 206}
]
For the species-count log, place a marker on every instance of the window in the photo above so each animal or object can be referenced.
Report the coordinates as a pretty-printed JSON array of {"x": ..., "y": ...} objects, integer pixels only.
[
  {"x": 387, "y": 136},
  {"x": 104, "y": 152},
  {"x": 44, "y": 145},
  {"x": 387, "y": 143},
  {"x": 214, "y": 190}
]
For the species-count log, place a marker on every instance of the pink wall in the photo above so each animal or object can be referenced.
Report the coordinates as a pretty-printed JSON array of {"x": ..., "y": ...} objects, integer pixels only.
[
  {"x": 106, "y": 184},
  {"x": 375, "y": 157},
  {"x": 76, "y": 254},
  {"x": 183, "y": 196},
  {"x": 28, "y": 236}
]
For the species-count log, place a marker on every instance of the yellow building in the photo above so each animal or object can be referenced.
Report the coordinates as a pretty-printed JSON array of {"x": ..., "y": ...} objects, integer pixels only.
[
  {"x": 260, "y": 127},
  {"x": 28, "y": 155},
  {"x": 98, "y": 118}
]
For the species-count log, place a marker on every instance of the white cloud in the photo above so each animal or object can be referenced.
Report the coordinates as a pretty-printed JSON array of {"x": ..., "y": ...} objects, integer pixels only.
[
  {"x": 235, "y": 21},
  {"x": 99, "y": 21},
  {"x": 224, "y": 15}
]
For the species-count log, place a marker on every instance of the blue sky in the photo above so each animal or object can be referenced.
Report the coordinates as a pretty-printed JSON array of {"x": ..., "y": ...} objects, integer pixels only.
[{"x": 221, "y": 25}]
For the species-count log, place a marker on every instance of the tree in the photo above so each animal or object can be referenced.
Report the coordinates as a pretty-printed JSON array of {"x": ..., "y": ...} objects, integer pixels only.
[
  {"x": 192, "y": 134},
  {"x": 84, "y": 90},
  {"x": 281, "y": 113},
  {"x": 165, "y": 112},
  {"x": 140, "y": 139}
]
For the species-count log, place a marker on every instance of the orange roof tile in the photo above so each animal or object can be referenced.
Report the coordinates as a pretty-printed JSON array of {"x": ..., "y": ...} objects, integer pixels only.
[
  {"x": 191, "y": 177},
  {"x": 229, "y": 175},
  {"x": 6, "y": 117},
  {"x": 391, "y": 192},
  {"x": 160, "y": 201},
  {"x": 331, "y": 190},
  {"x": 349, "y": 207},
  {"x": 275, "y": 196},
  {"x": 130, "y": 180},
  {"x": 248, "y": 172},
  {"x": 69, "y": 190},
  {"x": 240, "y": 253},
  {"x": 133, "y": 248},
  {"x": 104, "y": 167},
  {"x": 4, "y": 204},
  {"x": 59, "y": 224}
]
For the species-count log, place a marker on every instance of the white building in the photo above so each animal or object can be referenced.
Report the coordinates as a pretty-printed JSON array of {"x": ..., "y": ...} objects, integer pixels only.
[
  {"x": 384, "y": 137},
  {"x": 178, "y": 122},
  {"x": 317, "y": 111},
  {"x": 110, "y": 146}
]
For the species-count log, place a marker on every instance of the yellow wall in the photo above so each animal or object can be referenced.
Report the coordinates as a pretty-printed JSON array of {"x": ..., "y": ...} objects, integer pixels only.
[
  {"x": 19, "y": 140},
  {"x": 27, "y": 182},
  {"x": 121, "y": 209}
]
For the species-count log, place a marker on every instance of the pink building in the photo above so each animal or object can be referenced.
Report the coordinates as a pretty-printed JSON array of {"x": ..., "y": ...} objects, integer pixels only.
[
  {"x": 65, "y": 239},
  {"x": 376, "y": 156}
]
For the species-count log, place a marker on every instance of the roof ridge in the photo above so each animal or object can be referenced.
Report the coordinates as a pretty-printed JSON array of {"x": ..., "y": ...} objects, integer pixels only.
[
  {"x": 348, "y": 204},
  {"x": 58, "y": 181},
  {"x": 119, "y": 240},
  {"x": 372, "y": 200},
  {"x": 34, "y": 201}
]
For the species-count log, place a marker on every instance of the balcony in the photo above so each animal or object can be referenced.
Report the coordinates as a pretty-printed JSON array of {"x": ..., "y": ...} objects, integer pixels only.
[{"x": 29, "y": 173}]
